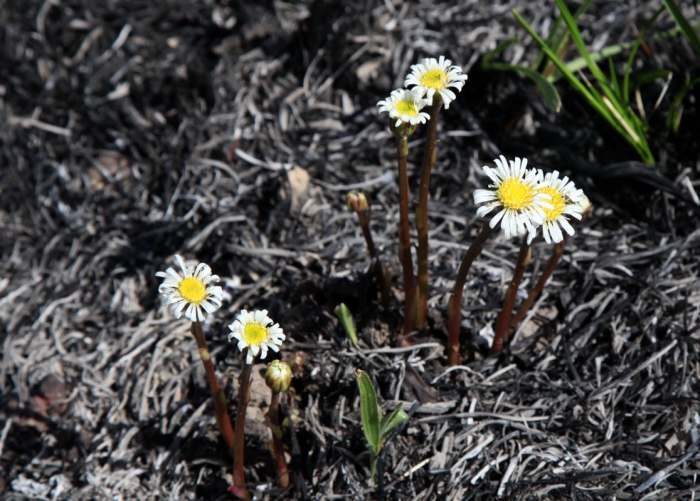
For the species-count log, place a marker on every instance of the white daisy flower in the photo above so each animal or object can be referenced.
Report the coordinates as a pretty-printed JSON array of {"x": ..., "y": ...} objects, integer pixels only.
[
  {"x": 566, "y": 200},
  {"x": 255, "y": 331},
  {"x": 405, "y": 106},
  {"x": 515, "y": 190},
  {"x": 190, "y": 292},
  {"x": 434, "y": 77}
]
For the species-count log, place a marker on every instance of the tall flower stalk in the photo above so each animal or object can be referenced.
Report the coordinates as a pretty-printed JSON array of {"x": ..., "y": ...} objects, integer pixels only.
[
  {"x": 509, "y": 300},
  {"x": 454, "y": 307},
  {"x": 585, "y": 208},
  {"x": 429, "y": 158},
  {"x": 278, "y": 378},
  {"x": 193, "y": 295},
  {"x": 404, "y": 108},
  {"x": 557, "y": 252},
  {"x": 256, "y": 334},
  {"x": 432, "y": 78}
]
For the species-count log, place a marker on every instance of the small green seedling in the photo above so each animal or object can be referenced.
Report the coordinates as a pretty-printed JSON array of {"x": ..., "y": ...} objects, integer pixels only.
[
  {"x": 376, "y": 427},
  {"x": 345, "y": 317}
]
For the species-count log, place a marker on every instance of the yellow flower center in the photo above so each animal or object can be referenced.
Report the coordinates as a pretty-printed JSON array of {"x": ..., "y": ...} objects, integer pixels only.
[
  {"x": 254, "y": 333},
  {"x": 434, "y": 79},
  {"x": 515, "y": 195},
  {"x": 192, "y": 290},
  {"x": 407, "y": 108},
  {"x": 557, "y": 201}
]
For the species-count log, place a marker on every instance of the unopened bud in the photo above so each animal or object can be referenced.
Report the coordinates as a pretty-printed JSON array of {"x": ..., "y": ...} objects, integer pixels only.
[
  {"x": 278, "y": 376},
  {"x": 356, "y": 201}
]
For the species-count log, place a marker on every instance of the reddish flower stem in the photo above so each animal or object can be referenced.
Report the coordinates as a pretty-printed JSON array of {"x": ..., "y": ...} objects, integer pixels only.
[
  {"x": 429, "y": 158},
  {"x": 539, "y": 286},
  {"x": 220, "y": 402},
  {"x": 382, "y": 279},
  {"x": 405, "y": 240},
  {"x": 276, "y": 443},
  {"x": 509, "y": 301},
  {"x": 454, "y": 307},
  {"x": 239, "y": 488}
]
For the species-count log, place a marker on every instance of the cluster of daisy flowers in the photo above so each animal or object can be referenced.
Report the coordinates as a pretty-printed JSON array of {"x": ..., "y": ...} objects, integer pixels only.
[
  {"x": 429, "y": 78},
  {"x": 527, "y": 199},
  {"x": 194, "y": 294}
]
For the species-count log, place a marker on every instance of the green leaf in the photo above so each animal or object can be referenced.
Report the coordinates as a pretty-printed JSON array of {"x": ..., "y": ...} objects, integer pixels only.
[
  {"x": 549, "y": 92},
  {"x": 369, "y": 409},
  {"x": 683, "y": 24},
  {"x": 345, "y": 317},
  {"x": 392, "y": 420}
]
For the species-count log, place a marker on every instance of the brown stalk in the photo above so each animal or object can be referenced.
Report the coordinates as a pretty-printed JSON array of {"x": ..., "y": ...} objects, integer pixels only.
[
  {"x": 539, "y": 286},
  {"x": 454, "y": 308},
  {"x": 239, "y": 484},
  {"x": 383, "y": 280},
  {"x": 220, "y": 402},
  {"x": 405, "y": 239},
  {"x": 509, "y": 301},
  {"x": 276, "y": 443},
  {"x": 429, "y": 158}
]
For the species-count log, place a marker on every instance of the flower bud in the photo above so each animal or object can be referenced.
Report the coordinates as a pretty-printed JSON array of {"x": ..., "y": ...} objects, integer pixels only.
[
  {"x": 278, "y": 376},
  {"x": 356, "y": 201}
]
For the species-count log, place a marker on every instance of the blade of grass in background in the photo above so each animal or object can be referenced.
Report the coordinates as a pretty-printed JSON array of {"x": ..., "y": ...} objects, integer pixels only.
[
  {"x": 607, "y": 104},
  {"x": 683, "y": 24},
  {"x": 559, "y": 41}
]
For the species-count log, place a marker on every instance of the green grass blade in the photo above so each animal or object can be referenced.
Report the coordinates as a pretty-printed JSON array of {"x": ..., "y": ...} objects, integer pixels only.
[
  {"x": 620, "y": 114},
  {"x": 590, "y": 94},
  {"x": 683, "y": 24},
  {"x": 558, "y": 40},
  {"x": 578, "y": 85},
  {"x": 345, "y": 317},
  {"x": 369, "y": 409}
]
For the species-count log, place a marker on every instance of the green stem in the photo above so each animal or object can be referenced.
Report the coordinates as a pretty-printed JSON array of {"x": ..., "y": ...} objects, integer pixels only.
[
  {"x": 454, "y": 308},
  {"x": 429, "y": 158},
  {"x": 220, "y": 402},
  {"x": 539, "y": 286},
  {"x": 405, "y": 238},
  {"x": 239, "y": 488},
  {"x": 373, "y": 466},
  {"x": 276, "y": 442},
  {"x": 509, "y": 301}
]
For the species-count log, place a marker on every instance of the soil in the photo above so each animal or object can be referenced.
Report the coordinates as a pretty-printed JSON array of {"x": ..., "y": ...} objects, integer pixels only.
[{"x": 229, "y": 132}]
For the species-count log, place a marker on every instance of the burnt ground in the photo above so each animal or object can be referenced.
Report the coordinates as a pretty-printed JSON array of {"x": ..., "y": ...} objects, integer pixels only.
[{"x": 133, "y": 130}]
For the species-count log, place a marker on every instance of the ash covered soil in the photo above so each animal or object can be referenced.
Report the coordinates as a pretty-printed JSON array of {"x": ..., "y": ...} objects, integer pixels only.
[{"x": 229, "y": 133}]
